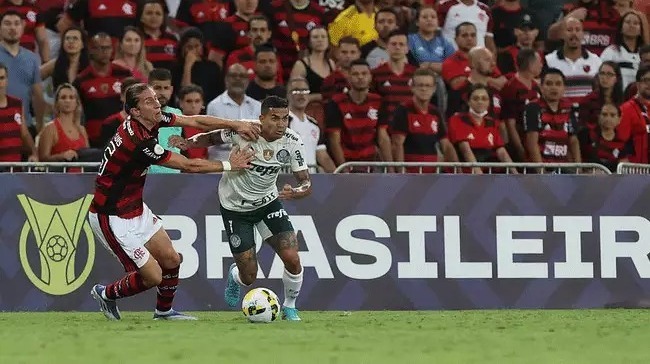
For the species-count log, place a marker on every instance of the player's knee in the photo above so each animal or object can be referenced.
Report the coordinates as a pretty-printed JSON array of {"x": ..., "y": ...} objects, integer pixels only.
[
  {"x": 248, "y": 277},
  {"x": 291, "y": 261},
  {"x": 171, "y": 260},
  {"x": 152, "y": 277}
]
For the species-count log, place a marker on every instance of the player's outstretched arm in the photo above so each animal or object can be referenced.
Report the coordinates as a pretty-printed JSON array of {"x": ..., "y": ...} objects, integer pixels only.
[
  {"x": 302, "y": 190},
  {"x": 202, "y": 140},
  {"x": 239, "y": 159},
  {"x": 248, "y": 130}
]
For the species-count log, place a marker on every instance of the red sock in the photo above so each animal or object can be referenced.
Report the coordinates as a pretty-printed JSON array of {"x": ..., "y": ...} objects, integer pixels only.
[
  {"x": 167, "y": 289},
  {"x": 130, "y": 285}
]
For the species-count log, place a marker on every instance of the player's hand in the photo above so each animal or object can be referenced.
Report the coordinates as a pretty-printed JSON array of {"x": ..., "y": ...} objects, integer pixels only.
[
  {"x": 287, "y": 192},
  {"x": 241, "y": 158},
  {"x": 579, "y": 13},
  {"x": 32, "y": 158},
  {"x": 248, "y": 130},
  {"x": 178, "y": 141}
]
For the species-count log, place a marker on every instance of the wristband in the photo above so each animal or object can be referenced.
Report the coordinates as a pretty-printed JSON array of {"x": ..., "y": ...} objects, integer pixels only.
[{"x": 226, "y": 166}]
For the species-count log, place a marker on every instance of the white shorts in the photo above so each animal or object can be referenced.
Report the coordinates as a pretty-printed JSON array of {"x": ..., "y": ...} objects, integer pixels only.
[{"x": 125, "y": 238}]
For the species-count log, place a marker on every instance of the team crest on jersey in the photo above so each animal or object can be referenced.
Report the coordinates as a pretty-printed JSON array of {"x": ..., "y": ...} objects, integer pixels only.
[
  {"x": 267, "y": 154},
  {"x": 586, "y": 68},
  {"x": 283, "y": 156},
  {"x": 104, "y": 87}
]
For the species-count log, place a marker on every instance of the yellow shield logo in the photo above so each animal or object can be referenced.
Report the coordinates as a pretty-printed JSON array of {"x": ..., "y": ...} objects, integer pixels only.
[
  {"x": 56, "y": 231},
  {"x": 267, "y": 154}
]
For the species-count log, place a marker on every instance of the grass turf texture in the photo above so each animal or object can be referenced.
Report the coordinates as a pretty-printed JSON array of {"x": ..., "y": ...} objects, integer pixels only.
[{"x": 550, "y": 336}]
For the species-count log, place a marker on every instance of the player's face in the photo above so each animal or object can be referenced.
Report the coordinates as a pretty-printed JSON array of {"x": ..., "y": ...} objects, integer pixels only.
[
  {"x": 609, "y": 117},
  {"x": 479, "y": 101},
  {"x": 163, "y": 90},
  {"x": 552, "y": 87},
  {"x": 192, "y": 103},
  {"x": 12, "y": 28},
  {"x": 298, "y": 92},
  {"x": 360, "y": 77},
  {"x": 275, "y": 123},
  {"x": 66, "y": 101},
  {"x": 423, "y": 87},
  {"x": 152, "y": 16},
  {"x": 148, "y": 108}
]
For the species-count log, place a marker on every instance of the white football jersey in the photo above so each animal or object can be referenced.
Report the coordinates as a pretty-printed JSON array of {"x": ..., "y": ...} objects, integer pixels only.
[{"x": 255, "y": 187}]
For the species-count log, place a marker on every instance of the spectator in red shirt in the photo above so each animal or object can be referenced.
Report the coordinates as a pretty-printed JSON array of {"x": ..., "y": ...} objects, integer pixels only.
[
  {"x": 191, "y": 102},
  {"x": 64, "y": 136},
  {"x": 475, "y": 134},
  {"x": 235, "y": 34},
  {"x": 352, "y": 121},
  {"x": 603, "y": 144},
  {"x": 417, "y": 129},
  {"x": 607, "y": 90},
  {"x": 14, "y": 135},
  {"x": 455, "y": 68},
  {"x": 525, "y": 35},
  {"x": 521, "y": 89},
  {"x": 160, "y": 45},
  {"x": 348, "y": 51},
  {"x": 550, "y": 123},
  {"x": 635, "y": 122}
]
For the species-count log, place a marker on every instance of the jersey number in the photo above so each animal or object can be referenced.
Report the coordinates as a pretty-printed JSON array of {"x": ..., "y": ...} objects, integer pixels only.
[{"x": 108, "y": 152}]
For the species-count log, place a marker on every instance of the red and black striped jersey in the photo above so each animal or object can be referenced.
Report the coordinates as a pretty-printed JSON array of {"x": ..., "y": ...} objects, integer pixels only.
[
  {"x": 393, "y": 88},
  {"x": 599, "y": 26},
  {"x": 290, "y": 29},
  {"x": 161, "y": 52},
  {"x": 100, "y": 97},
  {"x": 484, "y": 139},
  {"x": 123, "y": 170},
  {"x": 334, "y": 83},
  {"x": 358, "y": 124},
  {"x": 554, "y": 127},
  {"x": 103, "y": 16},
  {"x": 32, "y": 18},
  {"x": 597, "y": 149},
  {"x": 199, "y": 12},
  {"x": 590, "y": 107},
  {"x": 246, "y": 57},
  {"x": 514, "y": 98},
  {"x": 11, "y": 119},
  {"x": 423, "y": 130},
  {"x": 235, "y": 36}
]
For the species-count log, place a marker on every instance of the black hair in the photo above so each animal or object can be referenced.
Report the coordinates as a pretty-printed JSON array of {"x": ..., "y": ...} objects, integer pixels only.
[
  {"x": 642, "y": 71},
  {"x": 128, "y": 82},
  {"x": 273, "y": 102},
  {"x": 160, "y": 74},
  {"x": 552, "y": 71},
  {"x": 11, "y": 12},
  {"x": 189, "y": 89},
  {"x": 359, "y": 62},
  {"x": 525, "y": 58},
  {"x": 463, "y": 24},
  {"x": 132, "y": 96},
  {"x": 62, "y": 63}
]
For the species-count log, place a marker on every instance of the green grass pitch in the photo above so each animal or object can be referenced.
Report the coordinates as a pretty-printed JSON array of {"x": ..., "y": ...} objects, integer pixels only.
[{"x": 405, "y": 337}]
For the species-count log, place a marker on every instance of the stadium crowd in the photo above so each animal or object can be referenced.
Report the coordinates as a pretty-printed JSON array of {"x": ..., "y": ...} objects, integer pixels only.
[{"x": 386, "y": 80}]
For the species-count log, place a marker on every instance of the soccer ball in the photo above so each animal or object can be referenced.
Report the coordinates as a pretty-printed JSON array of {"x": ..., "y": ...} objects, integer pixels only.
[
  {"x": 261, "y": 305},
  {"x": 56, "y": 248}
]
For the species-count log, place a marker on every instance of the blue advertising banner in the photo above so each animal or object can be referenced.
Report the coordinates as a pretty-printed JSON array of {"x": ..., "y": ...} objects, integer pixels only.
[{"x": 369, "y": 242}]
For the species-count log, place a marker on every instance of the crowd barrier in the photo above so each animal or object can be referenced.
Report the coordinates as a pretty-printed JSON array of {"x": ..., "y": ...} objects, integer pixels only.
[
  {"x": 633, "y": 168},
  {"x": 469, "y": 167},
  {"x": 367, "y": 241}
]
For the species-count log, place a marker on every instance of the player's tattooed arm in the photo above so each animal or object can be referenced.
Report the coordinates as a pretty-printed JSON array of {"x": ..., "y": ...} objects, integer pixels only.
[
  {"x": 248, "y": 130},
  {"x": 302, "y": 190},
  {"x": 202, "y": 140}
]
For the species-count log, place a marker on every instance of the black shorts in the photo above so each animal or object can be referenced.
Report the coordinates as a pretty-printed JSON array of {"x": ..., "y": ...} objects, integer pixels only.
[{"x": 269, "y": 220}]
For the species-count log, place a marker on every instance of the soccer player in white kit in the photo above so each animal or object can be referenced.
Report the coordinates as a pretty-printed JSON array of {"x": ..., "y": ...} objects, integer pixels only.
[{"x": 249, "y": 199}]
